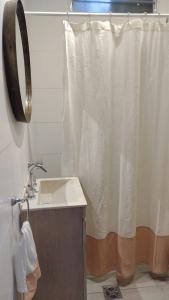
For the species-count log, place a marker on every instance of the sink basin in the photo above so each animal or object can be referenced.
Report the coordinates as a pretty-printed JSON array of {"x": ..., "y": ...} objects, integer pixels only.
[{"x": 57, "y": 193}]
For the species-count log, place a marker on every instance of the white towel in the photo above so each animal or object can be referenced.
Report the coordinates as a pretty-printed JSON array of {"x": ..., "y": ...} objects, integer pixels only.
[{"x": 26, "y": 265}]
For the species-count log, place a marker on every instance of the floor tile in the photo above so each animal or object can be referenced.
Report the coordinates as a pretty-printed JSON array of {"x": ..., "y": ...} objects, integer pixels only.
[
  {"x": 140, "y": 280},
  {"x": 96, "y": 296},
  {"x": 147, "y": 293},
  {"x": 162, "y": 284},
  {"x": 165, "y": 291},
  {"x": 95, "y": 286},
  {"x": 143, "y": 287}
]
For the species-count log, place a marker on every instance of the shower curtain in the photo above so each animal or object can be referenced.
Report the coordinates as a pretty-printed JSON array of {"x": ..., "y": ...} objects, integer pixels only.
[{"x": 116, "y": 139}]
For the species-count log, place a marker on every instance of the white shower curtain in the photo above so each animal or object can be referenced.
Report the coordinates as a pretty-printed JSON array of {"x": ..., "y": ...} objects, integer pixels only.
[{"x": 117, "y": 141}]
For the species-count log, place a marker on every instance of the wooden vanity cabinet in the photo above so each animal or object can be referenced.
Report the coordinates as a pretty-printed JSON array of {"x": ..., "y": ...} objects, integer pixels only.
[{"x": 60, "y": 240}]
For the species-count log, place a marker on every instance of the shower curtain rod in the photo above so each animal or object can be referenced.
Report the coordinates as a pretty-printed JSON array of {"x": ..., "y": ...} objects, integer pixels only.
[{"x": 69, "y": 14}]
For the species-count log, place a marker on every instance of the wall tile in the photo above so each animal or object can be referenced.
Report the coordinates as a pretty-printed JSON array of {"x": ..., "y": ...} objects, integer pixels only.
[
  {"x": 6, "y": 253},
  {"x": 47, "y": 69},
  {"x": 5, "y": 132},
  {"x": 5, "y": 136},
  {"x": 13, "y": 169},
  {"x": 7, "y": 178},
  {"x": 50, "y": 5},
  {"x": 48, "y": 41},
  {"x": 52, "y": 162},
  {"x": 47, "y": 105},
  {"x": 47, "y": 137},
  {"x": 163, "y": 6}
]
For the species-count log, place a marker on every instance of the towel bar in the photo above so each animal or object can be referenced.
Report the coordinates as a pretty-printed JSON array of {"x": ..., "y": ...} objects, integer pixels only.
[{"x": 15, "y": 201}]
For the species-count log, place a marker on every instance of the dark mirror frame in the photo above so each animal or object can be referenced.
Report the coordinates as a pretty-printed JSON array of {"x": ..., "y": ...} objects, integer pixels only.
[{"x": 14, "y": 9}]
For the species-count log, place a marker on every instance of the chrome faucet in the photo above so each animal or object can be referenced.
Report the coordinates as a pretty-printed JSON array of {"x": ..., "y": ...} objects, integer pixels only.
[{"x": 31, "y": 189}]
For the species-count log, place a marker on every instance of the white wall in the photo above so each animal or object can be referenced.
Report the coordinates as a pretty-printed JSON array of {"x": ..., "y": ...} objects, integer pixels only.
[
  {"x": 48, "y": 5},
  {"x": 14, "y": 146},
  {"x": 14, "y": 155},
  {"x": 46, "y": 38},
  {"x": 163, "y": 6}
]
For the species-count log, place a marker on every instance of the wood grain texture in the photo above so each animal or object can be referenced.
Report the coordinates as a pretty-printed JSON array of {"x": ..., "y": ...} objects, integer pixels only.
[{"x": 59, "y": 238}]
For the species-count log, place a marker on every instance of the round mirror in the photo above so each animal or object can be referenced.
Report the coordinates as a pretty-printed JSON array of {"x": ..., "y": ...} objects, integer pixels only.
[
  {"x": 21, "y": 65},
  {"x": 17, "y": 60}
]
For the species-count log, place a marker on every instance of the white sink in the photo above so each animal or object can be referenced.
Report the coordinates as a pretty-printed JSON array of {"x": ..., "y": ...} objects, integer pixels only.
[{"x": 57, "y": 193}]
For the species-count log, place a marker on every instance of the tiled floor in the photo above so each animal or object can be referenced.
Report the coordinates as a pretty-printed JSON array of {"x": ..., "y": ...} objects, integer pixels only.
[{"x": 142, "y": 288}]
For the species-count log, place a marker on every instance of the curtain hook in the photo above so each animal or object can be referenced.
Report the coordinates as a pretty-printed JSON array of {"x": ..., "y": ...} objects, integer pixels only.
[
  {"x": 145, "y": 14},
  {"x": 89, "y": 17},
  {"x": 71, "y": 6}
]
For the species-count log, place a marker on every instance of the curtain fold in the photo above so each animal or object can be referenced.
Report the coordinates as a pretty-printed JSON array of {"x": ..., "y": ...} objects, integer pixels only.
[{"x": 116, "y": 135}]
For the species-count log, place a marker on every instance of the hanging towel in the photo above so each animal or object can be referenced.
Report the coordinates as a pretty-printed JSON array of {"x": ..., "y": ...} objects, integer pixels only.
[{"x": 26, "y": 266}]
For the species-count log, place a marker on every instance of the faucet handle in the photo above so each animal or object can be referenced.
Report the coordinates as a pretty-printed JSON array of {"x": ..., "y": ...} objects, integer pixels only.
[{"x": 41, "y": 167}]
